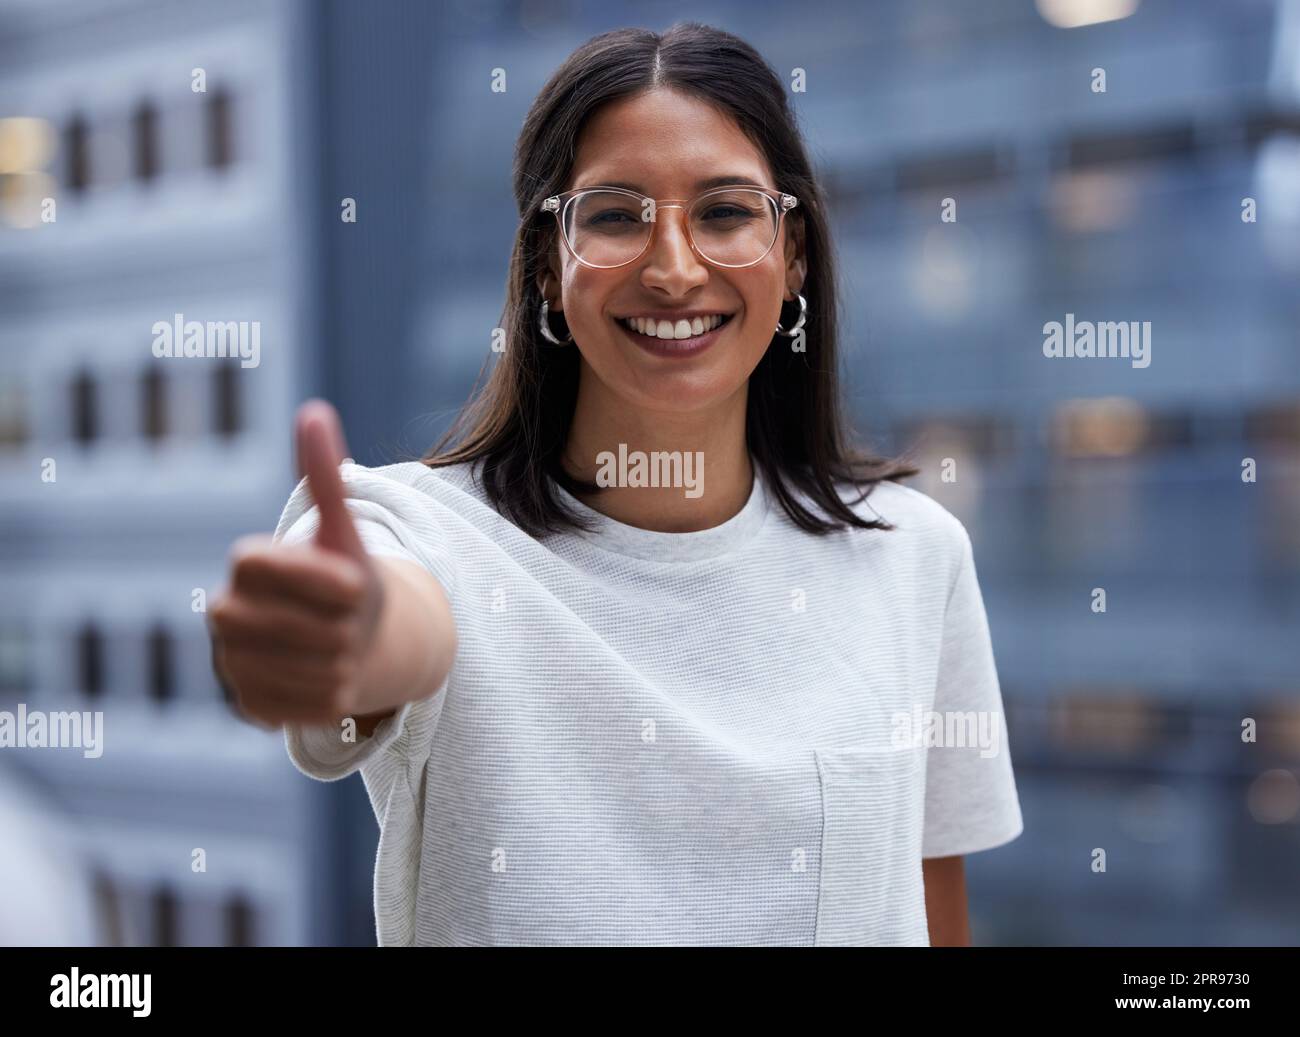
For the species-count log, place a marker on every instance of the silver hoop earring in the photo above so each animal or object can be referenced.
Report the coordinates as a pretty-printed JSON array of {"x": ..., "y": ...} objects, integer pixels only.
[
  {"x": 547, "y": 333},
  {"x": 803, "y": 316}
]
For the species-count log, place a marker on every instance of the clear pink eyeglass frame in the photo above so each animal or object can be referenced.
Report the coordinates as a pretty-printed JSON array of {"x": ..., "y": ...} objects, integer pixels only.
[{"x": 559, "y": 203}]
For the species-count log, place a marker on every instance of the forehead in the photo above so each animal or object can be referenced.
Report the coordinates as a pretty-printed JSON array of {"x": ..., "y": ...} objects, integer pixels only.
[{"x": 664, "y": 144}]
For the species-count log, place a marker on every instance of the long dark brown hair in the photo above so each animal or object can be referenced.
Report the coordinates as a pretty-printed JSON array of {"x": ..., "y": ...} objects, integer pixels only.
[{"x": 518, "y": 425}]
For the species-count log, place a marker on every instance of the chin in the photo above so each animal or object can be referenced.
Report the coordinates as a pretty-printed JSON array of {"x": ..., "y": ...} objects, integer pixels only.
[{"x": 683, "y": 392}]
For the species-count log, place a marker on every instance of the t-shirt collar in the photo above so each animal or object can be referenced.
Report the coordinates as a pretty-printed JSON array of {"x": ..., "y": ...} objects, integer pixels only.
[{"x": 658, "y": 546}]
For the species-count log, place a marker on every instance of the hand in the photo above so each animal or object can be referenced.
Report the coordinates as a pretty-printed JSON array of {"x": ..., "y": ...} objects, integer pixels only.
[{"x": 293, "y": 631}]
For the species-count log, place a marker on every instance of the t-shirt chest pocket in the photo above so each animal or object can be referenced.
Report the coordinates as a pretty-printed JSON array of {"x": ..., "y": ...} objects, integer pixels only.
[{"x": 871, "y": 890}]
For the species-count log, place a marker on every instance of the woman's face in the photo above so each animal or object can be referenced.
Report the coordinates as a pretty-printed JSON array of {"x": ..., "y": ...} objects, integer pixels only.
[{"x": 664, "y": 144}]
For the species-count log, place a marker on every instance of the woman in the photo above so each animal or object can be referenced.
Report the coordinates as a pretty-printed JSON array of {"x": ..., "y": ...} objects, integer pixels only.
[{"x": 637, "y": 661}]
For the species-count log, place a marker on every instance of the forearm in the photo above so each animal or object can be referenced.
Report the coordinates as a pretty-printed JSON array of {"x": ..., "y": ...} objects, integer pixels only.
[
  {"x": 945, "y": 901},
  {"x": 414, "y": 646}
]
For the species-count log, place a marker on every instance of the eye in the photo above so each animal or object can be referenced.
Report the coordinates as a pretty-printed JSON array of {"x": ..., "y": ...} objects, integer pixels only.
[
  {"x": 727, "y": 211},
  {"x": 611, "y": 216}
]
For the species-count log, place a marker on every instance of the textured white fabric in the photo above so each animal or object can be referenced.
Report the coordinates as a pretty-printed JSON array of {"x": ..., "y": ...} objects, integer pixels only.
[{"x": 665, "y": 738}]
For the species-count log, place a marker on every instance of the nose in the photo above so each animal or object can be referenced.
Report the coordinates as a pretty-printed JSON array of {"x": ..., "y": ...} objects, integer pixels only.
[{"x": 670, "y": 264}]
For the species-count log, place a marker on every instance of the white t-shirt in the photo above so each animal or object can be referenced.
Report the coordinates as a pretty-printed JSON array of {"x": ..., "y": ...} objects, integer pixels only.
[{"x": 719, "y": 737}]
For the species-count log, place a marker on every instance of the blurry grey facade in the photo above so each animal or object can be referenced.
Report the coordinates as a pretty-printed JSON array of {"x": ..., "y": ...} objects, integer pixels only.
[
  {"x": 1072, "y": 474},
  {"x": 169, "y": 201}
]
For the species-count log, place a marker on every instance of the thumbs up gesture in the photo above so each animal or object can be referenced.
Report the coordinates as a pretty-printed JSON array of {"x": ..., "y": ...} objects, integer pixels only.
[{"x": 294, "y": 629}]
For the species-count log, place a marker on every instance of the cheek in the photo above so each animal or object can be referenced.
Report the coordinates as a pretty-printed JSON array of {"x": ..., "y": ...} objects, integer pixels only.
[
  {"x": 763, "y": 295},
  {"x": 585, "y": 292}
]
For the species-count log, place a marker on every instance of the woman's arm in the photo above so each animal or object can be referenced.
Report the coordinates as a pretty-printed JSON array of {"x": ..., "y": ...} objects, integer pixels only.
[
  {"x": 414, "y": 646},
  {"x": 945, "y": 901}
]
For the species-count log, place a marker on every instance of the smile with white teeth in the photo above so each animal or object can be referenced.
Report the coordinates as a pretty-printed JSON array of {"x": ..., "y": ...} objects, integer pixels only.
[{"x": 673, "y": 329}]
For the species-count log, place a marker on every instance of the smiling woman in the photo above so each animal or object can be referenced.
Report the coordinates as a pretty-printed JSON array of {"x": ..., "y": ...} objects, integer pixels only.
[
  {"x": 660, "y": 180},
  {"x": 603, "y": 710}
]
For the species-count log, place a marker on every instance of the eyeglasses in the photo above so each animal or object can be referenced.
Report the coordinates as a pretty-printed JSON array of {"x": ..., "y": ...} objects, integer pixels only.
[{"x": 608, "y": 227}]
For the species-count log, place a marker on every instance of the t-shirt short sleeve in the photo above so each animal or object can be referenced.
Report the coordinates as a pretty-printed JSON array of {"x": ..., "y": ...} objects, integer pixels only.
[
  {"x": 971, "y": 802},
  {"x": 393, "y": 519}
]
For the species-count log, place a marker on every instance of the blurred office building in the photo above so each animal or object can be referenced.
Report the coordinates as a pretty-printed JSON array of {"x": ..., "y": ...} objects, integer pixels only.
[
  {"x": 984, "y": 181},
  {"x": 163, "y": 133}
]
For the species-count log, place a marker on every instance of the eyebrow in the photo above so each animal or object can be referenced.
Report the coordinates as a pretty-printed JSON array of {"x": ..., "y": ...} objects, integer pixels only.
[{"x": 726, "y": 180}]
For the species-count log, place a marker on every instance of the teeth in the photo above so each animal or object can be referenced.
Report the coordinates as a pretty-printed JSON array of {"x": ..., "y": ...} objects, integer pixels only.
[{"x": 669, "y": 329}]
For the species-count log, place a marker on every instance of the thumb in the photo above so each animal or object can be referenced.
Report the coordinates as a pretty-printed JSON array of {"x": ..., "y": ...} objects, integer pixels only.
[{"x": 320, "y": 451}]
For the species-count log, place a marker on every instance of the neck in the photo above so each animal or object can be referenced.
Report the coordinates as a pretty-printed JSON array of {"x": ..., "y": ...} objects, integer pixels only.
[{"x": 714, "y": 436}]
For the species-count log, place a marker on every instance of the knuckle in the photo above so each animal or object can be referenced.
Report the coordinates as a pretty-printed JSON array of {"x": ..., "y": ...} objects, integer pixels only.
[
  {"x": 221, "y": 613},
  {"x": 247, "y": 546}
]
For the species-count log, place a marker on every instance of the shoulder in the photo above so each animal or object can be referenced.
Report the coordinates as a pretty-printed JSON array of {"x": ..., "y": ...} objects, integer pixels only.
[
  {"x": 923, "y": 529},
  {"x": 413, "y": 484},
  {"x": 907, "y": 509},
  {"x": 406, "y": 489},
  {"x": 412, "y": 474}
]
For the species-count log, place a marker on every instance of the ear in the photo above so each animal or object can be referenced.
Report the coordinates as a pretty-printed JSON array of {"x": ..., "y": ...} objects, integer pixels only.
[
  {"x": 548, "y": 278},
  {"x": 796, "y": 255}
]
